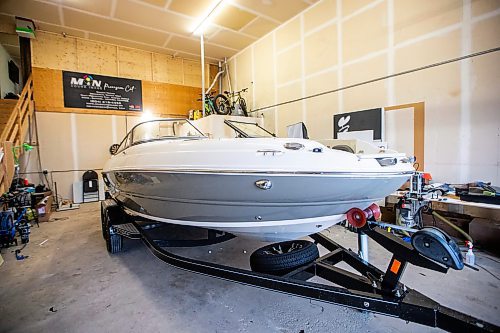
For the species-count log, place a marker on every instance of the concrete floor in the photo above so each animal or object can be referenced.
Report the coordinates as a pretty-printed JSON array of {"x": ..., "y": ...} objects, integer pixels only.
[{"x": 71, "y": 284}]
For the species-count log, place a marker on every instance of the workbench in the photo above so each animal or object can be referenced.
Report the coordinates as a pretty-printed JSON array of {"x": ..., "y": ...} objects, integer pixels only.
[
  {"x": 456, "y": 206},
  {"x": 481, "y": 221}
]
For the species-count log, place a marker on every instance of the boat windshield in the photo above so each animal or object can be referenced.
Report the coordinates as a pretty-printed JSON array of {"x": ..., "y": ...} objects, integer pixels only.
[
  {"x": 248, "y": 130},
  {"x": 160, "y": 130}
]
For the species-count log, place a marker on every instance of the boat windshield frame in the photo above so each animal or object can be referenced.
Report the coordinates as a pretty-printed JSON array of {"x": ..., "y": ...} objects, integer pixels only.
[
  {"x": 231, "y": 123},
  {"x": 130, "y": 135}
]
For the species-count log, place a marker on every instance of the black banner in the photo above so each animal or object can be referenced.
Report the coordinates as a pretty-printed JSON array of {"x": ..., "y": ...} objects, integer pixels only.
[
  {"x": 359, "y": 121},
  {"x": 89, "y": 91}
]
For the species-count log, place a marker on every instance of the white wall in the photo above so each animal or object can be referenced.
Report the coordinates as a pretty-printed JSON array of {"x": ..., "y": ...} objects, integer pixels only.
[
  {"x": 71, "y": 143},
  {"x": 337, "y": 43}
]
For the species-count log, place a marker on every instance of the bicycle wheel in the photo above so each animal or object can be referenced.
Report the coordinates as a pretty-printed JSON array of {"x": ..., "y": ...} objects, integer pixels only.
[
  {"x": 222, "y": 105},
  {"x": 243, "y": 105}
]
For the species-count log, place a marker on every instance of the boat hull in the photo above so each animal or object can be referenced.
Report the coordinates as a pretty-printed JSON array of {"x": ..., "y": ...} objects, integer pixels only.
[
  {"x": 268, "y": 231},
  {"x": 293, "y": 206}
]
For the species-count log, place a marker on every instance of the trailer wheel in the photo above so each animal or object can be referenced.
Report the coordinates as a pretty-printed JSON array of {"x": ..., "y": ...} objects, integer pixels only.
[
  {"x": 103, "y": 222},
  {"x": 111, "y": 216},
  {"x": 114, "y": 241},
  {"x": 281, "y": 258}
]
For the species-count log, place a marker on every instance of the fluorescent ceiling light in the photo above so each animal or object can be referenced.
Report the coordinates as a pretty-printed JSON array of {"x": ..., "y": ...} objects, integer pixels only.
[{"x": 204, "y": 20}]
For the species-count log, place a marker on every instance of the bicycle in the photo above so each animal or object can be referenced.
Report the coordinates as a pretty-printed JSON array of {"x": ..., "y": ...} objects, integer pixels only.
[
  {"x": 226, "y": 105},
  {"x": 16, "y": 215},
  {"x": 209, "y": 103},
  {"x": 7, "y": 229}
]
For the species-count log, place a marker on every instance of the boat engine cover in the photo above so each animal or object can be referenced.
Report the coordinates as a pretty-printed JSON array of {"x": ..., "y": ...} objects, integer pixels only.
[{"x": 435, "y": 244}]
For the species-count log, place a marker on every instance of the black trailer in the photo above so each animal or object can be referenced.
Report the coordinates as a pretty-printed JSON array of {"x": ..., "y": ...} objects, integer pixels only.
[{"x": 370, "y": 290}]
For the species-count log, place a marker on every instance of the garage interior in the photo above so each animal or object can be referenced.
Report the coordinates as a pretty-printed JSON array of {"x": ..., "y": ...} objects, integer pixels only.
[{"x": 357, "y": 80}]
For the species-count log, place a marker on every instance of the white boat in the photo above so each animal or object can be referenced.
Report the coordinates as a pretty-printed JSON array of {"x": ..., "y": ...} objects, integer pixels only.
[{"x": 254, "y": 185}]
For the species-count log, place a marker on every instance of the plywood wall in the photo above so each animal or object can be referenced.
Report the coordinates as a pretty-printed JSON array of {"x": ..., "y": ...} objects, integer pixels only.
[
  {"x": 169, "y": 99},
  {"x": 170, "y": 85},
  {"x": 162, "y": 99},
  {"x": 337, "y": 43},
  {"x": 54, "y": 51}
]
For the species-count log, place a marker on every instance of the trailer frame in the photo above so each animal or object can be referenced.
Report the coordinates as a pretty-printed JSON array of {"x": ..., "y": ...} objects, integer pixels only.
[{"x": 371, "y": 290}]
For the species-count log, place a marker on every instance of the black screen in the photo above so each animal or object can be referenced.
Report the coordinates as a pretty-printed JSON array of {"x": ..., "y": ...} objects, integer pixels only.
[{"x": 13, "y": 72}]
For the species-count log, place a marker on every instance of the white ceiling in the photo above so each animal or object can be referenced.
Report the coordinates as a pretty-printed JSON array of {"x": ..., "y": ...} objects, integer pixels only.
[{"x": 163, "y": 26}]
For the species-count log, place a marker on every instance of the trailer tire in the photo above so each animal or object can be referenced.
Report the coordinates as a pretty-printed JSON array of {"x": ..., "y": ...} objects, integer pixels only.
[
  {"x": 103, "y": 222},
  {"x": 281, "y": 258},
  {"x": 114, "y": 243}
]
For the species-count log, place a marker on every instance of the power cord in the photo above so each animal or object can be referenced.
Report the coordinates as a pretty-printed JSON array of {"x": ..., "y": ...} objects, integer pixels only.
[{"x": 492, "y": 274}]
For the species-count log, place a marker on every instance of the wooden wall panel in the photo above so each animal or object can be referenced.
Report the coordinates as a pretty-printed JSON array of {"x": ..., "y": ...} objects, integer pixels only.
[
  {"x": 154, "y": 97},
  {"x": 99, "y": 57},
  {"x": 167, "y": 100},
  {"x": 134, "y": 64},
  {"x": 183, "y": 97},
  {"x": 47, "y": 87},
  {"x": 160, "y": 67},
  {"x": 168, "y": 69},
  {"x": 175, "y": 71},
  {"x": 192, "y": 73},
  {"x": 54, "y": 50}
]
